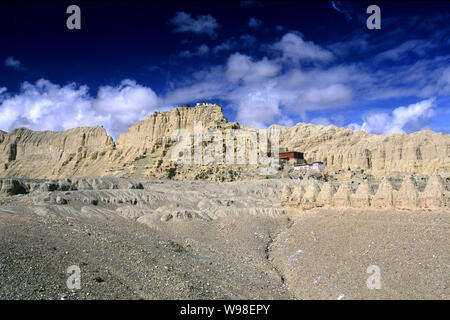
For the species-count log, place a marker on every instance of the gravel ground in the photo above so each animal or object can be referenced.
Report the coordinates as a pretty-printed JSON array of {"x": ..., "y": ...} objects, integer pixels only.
[
  {"x": 189, "y": 240},
  {"x": 325, "y": 254},
  {"x": 122, "y": 259}
]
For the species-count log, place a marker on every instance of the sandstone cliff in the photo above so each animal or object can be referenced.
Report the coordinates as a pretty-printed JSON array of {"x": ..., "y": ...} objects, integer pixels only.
[
  {"x": 75, "y": 152},
  {"x": 145, "y": 150},
  {"x": 424, "y": 152}
]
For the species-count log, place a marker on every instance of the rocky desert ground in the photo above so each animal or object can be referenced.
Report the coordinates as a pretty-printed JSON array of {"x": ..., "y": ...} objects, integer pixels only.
[
  {"x": 139, "y": 226},
  {"x": 155, "y": 239}
]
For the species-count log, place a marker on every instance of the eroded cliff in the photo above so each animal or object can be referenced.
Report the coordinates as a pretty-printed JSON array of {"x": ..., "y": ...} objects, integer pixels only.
[{"x": 145, "y": 150}]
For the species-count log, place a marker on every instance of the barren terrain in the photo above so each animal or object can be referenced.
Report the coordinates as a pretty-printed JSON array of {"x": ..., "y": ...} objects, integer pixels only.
[{"x": 162, "y": 239}]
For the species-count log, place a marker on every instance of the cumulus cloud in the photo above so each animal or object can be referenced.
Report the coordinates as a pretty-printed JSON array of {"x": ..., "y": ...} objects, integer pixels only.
[
  {"x": 225, "y": 46},
  {"x": 258, "y": 107},
  {"x": 254, "y": 23},
  {"x": 416, "y": 46},
  {"x": 205, "y": 24},
  {"x": 403, "y": 119},
  {"x": 294, "y": 48},
  {"x": 262, "y": 91},
  {"x": 201, "y": 51},
  {"x": 13, "y": 63},
  {"x": 241, "y": 67},
  {"x": 48, "y": 106},
  {"x": 123, "y": 105},
  {"x": 333, "y": 93},
  {"x": 268, "y": 90}
]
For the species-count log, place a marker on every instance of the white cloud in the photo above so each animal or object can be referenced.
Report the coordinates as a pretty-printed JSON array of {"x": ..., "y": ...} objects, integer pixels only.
[
  {"x": 261, "y": 91},
  {"x": 241, "y": 67},
  {"x": 201, "y": 51},
  {"x": 123, "y": 105},
  {"x": 11, "y": 62},
  {"x": 206, "y": 24},
  {"x": 48, "y": 106},
  {"x": 254, "y": 23},
  {"x": 416, "y": 46},
  {"x": 445, "y": 77},
  {"x": 335, "y": 93},
  {"x": 294, "y": 48},
  {"x": 268, "y": 90},
  {"x": 225, "y": 46},
  {"x": 403, "y": 119},
  {"x": 258, "y": 107},
  {"x": 444, "y": 81}
]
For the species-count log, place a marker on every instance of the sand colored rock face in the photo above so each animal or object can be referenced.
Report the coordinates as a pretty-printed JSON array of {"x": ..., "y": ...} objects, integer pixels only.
[
  {"x": 297, "y": 195},
  {"x": 81, "y": 151},
  {"x": 434, "y": 195},
  {"x": 409, "y": 197},
  {"x": 384, "y": 198},
  {"x": 311, "y": 192},
  {"x": 362, "y": 197},
  {"x": 424, "y": 152},
  {"x": 325, "y": 196},
  {"x": 341, "y": 198},
  {"x": 144, "y": 151}
]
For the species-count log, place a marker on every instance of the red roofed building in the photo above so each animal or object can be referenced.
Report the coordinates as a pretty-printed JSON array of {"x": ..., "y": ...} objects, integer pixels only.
[{"x": 291, "y": 157}]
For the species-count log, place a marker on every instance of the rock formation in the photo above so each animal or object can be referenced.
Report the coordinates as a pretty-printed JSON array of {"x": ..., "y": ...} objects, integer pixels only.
[
  {"x": 309, "y": 198},
  {"x": 144, "y": 151},
  {"x": 384, "y": 198},
  {"x": 297, "y": 195},
  {"x": 362, "y": 197},
  {"x": 325, "y": 197},
  {"x": 84, "y": 151},
  {"x": 434, "y": 196},
  {"x": 341, "y": 198},
  {"x": 407, "y": 196},
  {"x": 341, "y": 149}
]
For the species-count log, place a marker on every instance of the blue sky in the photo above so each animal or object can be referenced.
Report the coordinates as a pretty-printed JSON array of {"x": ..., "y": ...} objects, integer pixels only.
[{"x": 264, "y": 62}]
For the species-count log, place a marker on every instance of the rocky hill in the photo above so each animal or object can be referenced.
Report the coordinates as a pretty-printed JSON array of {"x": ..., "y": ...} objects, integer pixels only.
[
  {"x": 145, "y": 150},
  {"x": 424, "y": 152}
]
